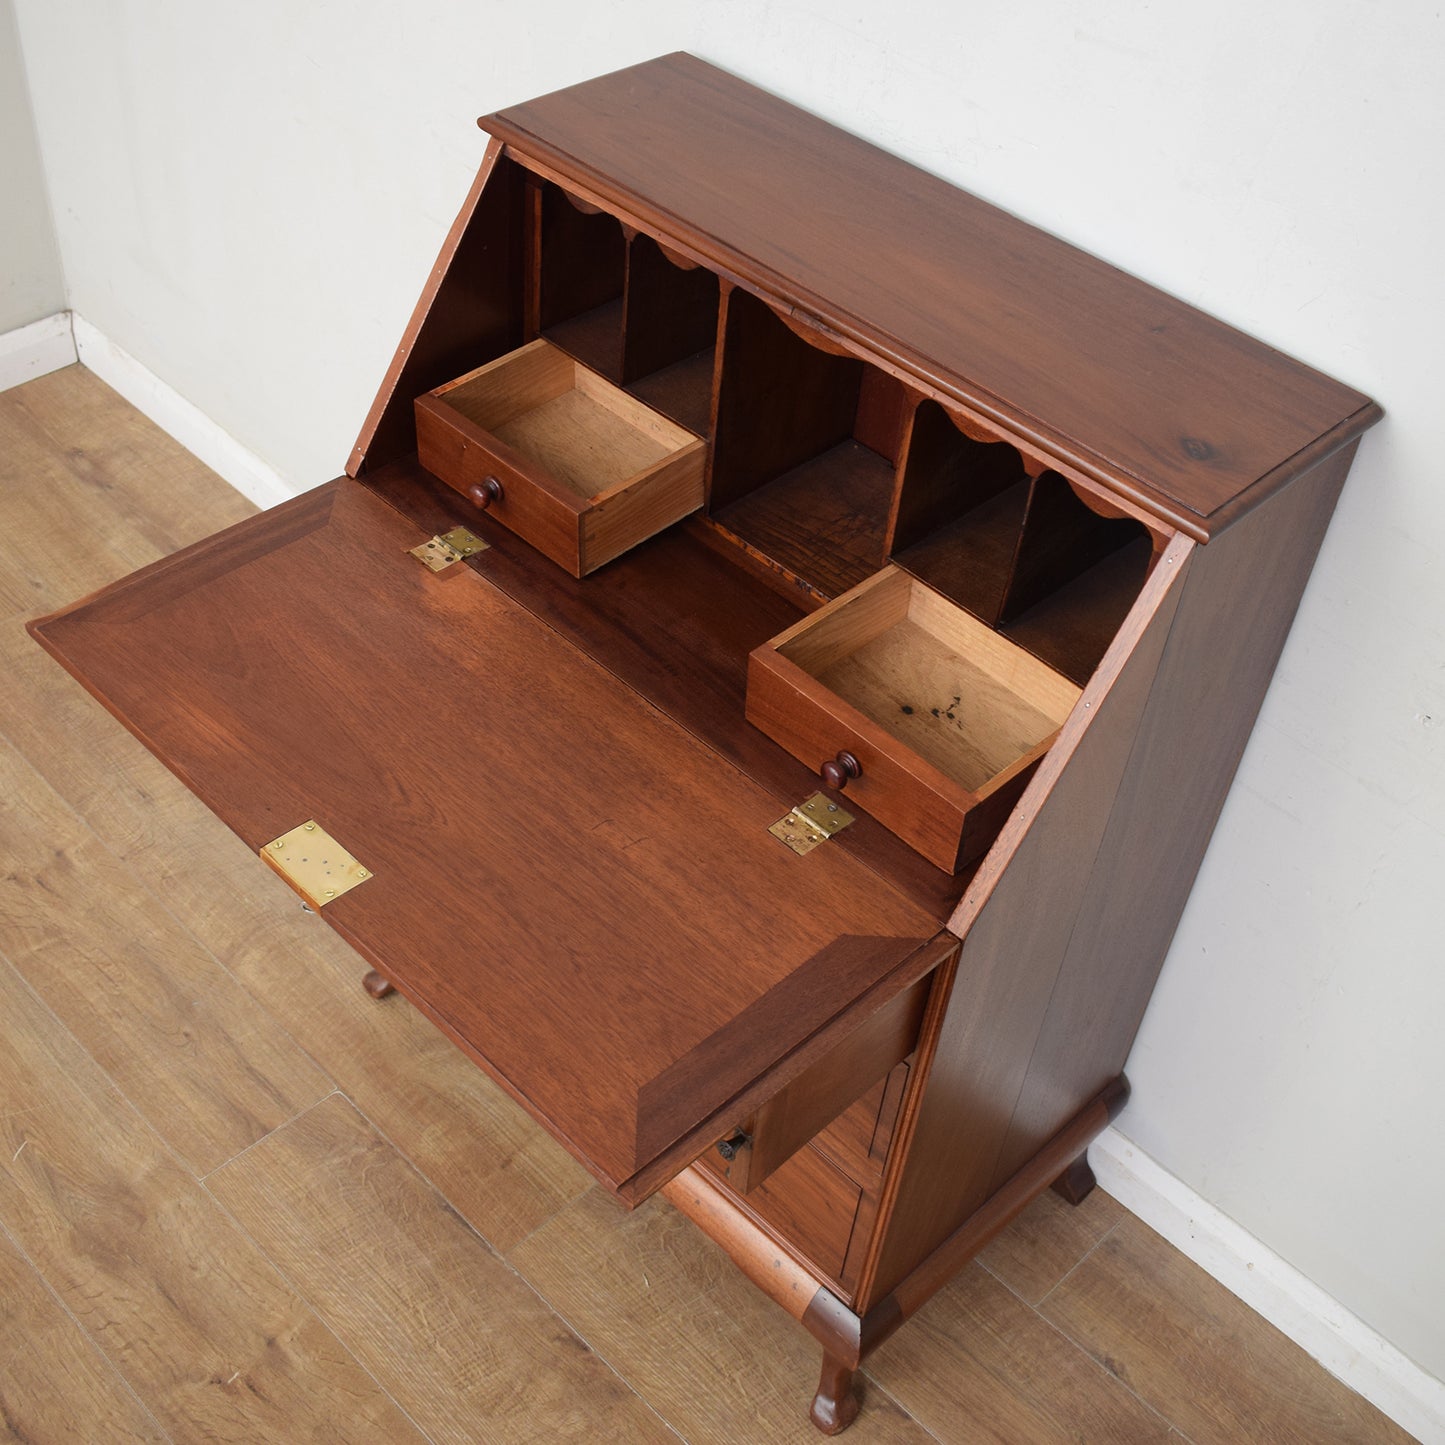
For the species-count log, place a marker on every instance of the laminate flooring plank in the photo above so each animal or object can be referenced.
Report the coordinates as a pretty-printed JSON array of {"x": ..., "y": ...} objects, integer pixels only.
[
  {"x": 457, "y": 1338},
  {"x": 53, "y": 550},
  {"x": 129, "y": 470},
  {"x": 55, "y": 1386},
  {"x": 977, "y": 1365},
  {"x": 201, "y": 1326},
  {"x": 1047, "y": 1240},
  {"x": 497, "y": 1168},
  {"x": 718, "y": 1360},
  {"x": 1185, "y": 1344},
  {"x": 208, "y": 1067}
]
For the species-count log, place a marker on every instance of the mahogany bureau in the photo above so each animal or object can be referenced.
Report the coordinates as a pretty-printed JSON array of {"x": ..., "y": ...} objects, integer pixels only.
[{"x": 767, "y": 678}]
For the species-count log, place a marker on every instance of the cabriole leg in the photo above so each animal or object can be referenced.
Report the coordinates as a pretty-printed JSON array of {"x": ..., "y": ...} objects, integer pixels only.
[
  {"x": 376, "y": 985},
  {"x": 1077, "y": 1182},
  {"x": 835, "y": 1406}
]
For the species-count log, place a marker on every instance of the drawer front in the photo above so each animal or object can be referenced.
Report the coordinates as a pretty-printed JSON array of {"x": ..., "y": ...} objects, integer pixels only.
[
  {"x": 465, "y": 456},
  {"x": 923, "y": 808},
  {"x": 576, "y": 465},
  {"x": 857, "y": 1140},
  {"x": 814, "y": 1100},
  {"x": 627, "y": 515},
  {"x": 940, "y": 721},
  {"x": 821, "y": 1202},
  {"x": 811, "y": 1205}
]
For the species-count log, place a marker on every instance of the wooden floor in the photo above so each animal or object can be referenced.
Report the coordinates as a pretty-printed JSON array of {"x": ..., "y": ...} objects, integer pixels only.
[{"x": 240, "y": 1201}]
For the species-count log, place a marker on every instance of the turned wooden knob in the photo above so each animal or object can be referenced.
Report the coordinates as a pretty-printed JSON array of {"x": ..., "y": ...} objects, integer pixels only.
[
  {"x": 836, "y": 771},
  {"x": 485, "y": 492}
]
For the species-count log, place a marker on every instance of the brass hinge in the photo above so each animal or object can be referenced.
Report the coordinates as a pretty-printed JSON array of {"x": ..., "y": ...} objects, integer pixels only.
[
  {"x": 810, "y": 823},
  {"x": 314, "y": 864},
  {"x": 448, "y": 547}
]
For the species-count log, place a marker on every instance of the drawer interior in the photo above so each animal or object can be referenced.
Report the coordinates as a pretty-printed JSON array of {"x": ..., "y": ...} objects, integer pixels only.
[
  {"x": 566, "y": 419},
  {"x": 948, "y": 688}
]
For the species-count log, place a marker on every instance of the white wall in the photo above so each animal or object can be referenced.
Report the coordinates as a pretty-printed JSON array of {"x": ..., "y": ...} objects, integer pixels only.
[
  {"x": 30, "y": 281},
  {"x": 249, "y": 198}
]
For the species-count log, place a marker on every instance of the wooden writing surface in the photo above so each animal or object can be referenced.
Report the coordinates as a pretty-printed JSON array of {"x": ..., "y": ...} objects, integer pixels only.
[{"x": 566, "y": 881}]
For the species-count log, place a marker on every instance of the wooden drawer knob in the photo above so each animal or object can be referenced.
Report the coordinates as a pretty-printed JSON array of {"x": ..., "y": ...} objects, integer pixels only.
[
  {"x": 485, "y": 492},
  {"x": 730, "y": 1148},
  {"x": 836, "y": 771}
]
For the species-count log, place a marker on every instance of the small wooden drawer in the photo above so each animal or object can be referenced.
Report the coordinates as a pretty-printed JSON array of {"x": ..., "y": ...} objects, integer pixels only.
[
  {"x": 857, "y": 1140},
  {"x": 816, "y": 1198},
  {"x": 812, "y": 1205},
  {"x": 560, "y": 455},
  {"x": 816, "y": 1098},
  {"x": 945, "y": 718}
]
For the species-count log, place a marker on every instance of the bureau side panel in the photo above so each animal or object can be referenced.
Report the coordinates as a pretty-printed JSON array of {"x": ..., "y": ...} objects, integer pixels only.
[
  {"x": 1235, "y": 612},
  {"x": 469, "y": 312},
  {"x": 1016, "y": 920}
]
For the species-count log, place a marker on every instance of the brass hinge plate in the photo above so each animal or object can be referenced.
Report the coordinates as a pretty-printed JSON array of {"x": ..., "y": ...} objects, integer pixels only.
[
  {"x": 447, "y": 548},
  {"x": 314, "y": 864},
  {"x": 810, "y": 823}
]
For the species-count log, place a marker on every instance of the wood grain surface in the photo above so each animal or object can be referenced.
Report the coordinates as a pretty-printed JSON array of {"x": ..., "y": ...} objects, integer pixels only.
[
  {"x": 365, "y": 1237},
  {"x": 1200, "y": 715},
  {"x": 499, "y": 1169},
  {"x": 675, "y": 621},
  {"x": 671, "y": 1313},
  {"x": 671, "y": 312},
  {"x": 1047, "y": 1240},
  {"x": 809, "y": 1202},
  {"x": 89, "y": 453},
  {"x": 189, "y": 1046},
  {"x": 1013, "y": 948},
  {"x": 977, "y": 1364},
  {"x": 563, "y": 982},
  {"x": 469, "y": 311},
  {"x": 34, "y": 571},
  {"x": 54, "y": 1384},
  {"x": 208, "y": 1335},
  {"x": 1104, "y": 366},
  {"x": 581, "y": 267},
  {"x": 1198, "y": 1355}
]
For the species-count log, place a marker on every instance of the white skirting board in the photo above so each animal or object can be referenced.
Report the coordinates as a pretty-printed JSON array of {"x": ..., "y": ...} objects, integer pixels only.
[
  {"x": 1344, "y": 1344},
  {"x": 34, "y": 350},
  {"x": 170, "y": 411}
]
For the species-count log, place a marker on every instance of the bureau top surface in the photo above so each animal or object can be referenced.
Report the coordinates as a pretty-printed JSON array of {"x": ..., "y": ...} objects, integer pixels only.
[{"x": 1115, "y": 375}]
